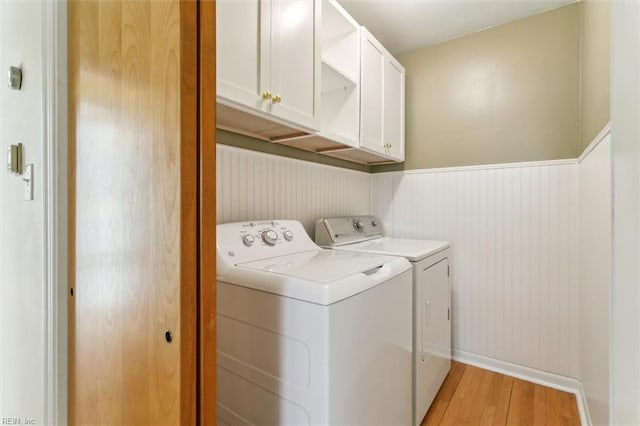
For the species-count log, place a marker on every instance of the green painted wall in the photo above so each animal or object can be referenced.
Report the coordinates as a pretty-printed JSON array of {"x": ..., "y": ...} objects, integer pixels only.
[
  {"x": 506, "y": 94},
  {"x": 595, "y": 75}
]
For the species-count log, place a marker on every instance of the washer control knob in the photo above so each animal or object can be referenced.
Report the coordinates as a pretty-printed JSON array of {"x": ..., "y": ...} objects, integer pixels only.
[
  {"x": 270, "y": 237},
  {"x": 374, "y": 223},
  {"x": 357, "y": 223},
  {"x": 248, "y": 240},
  {"x": 288, "y": 235}
]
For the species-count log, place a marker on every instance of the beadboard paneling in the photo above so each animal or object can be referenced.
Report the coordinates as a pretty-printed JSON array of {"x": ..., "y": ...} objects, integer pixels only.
[
  {"x": 595, "y": 277},
  {"x": 514, "y": 232},
  {"x": 252, "y": 186}
]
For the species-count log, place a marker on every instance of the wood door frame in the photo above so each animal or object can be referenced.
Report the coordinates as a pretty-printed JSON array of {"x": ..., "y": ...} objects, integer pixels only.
[
  {"x": 207, "y": 225},
  {"x": 198, "y": 168},
  {"x": 189, "y": 211}
]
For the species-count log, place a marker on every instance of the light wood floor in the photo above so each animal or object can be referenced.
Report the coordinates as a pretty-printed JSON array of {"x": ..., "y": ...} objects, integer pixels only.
[{"x": 473, "y": 396}]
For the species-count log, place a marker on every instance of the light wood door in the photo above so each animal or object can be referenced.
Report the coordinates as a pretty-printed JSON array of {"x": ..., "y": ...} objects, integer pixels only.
[
  {"x": 133, "y": 211},
  {"x": 393, "y": 109},
  {"x": 372, "y": 80}
]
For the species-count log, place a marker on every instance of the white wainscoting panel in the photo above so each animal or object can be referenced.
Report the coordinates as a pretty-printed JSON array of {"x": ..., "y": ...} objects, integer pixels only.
[
  {"x": 514, "y": 235},
  {"x": 253, "y": 185},
  {"x": 595, "y": 277}
]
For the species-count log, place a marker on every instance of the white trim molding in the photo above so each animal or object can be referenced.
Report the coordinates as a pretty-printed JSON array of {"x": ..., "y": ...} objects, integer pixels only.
[
  {"x": 544, "y": 378},
  {"x": 55, "y": 217},
  {"x": 543, "y": 163},
  {"x": 594, "y": 143}
]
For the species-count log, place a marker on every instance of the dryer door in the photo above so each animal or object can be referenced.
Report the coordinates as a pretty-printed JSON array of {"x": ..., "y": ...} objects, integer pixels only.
[{"x": 433, "y": 333}]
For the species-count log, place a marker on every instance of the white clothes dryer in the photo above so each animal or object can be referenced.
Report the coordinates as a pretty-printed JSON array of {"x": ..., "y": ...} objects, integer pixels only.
[
  {"x": 308, "y": 336},
  {"x": 431, "y": 329}
]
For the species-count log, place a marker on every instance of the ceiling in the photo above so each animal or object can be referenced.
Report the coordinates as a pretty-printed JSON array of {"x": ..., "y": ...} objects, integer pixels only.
[{"x": 402, "y": 25}]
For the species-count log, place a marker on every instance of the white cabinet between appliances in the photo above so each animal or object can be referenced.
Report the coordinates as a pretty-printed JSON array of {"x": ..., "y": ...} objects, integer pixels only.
[
  {"x": 382, "y": 100},
  {"x": 268, "y": 59}
]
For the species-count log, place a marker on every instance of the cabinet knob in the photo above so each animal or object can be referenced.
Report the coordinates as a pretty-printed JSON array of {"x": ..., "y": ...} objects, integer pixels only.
[
  {"x": 266, "y": 95},
  {"x": 276, "y": 99}
]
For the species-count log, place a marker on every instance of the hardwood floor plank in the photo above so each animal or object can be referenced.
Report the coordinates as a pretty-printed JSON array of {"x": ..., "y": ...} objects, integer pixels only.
[
  {"x": 498, "y": 401},
  {"x": 540, "y": 407},
  {"x": 444, "y": 396},
  {"x": 481, "y": 405},
  {"x": 551, "y": 406},
  {"x": 521, "y": 405},
  {"x": 451, "y": 382},
  {"x": 435, "y": 414},
  {"x": 467, "y": 392},
  {"x": 569, "y": 408},
  {"x": 473, "y": 396}
]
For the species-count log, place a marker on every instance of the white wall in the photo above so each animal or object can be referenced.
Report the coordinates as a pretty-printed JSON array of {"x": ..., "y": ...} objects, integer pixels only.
[
  {"x": 514, "y": 235},
  {"x": 253, "y": 185},
  {"x": 595, "y": 212},
  {"x": 625, "y": 146},
  {"x": 22, "y": 240}
]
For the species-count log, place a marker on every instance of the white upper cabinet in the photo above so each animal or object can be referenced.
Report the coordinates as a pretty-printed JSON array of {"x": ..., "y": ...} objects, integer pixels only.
[
  {"x": 239, "y": 69},
  {"x": 268, "y": 58},
  {"x": 372, "y": 54},
  {"x": 393, "y": 109},
  {"x": 382, "y": 100},
  {"x": 305, "y": 74}
]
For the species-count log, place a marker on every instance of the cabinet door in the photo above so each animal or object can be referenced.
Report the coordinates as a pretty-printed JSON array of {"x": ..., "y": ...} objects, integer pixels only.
[
  {"x": 243, "y": 33},
  {"x": 433, "y": 333},
  {"x": 372, "y": 63},
  {"x": 393, "y": 108},
  {"x": 295, "y": 61}
]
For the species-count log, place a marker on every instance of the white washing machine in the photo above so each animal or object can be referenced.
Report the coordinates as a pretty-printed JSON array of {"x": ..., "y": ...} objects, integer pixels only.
[
  {"x": 431, "y": 295},
  {"x": 308, "y": 336}
]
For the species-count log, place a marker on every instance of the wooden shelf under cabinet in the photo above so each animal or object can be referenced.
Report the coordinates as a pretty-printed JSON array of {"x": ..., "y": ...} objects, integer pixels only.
[
  {"x": 241, "y": 122},
  {"x": 313, "y": 143},
  {"x": 237, "y": 121},
  {"x": 360, "y": 156}
]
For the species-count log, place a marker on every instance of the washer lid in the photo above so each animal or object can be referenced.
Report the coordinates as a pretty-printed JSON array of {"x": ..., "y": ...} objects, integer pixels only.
[
  {"x": 322, "y": 266},
  {"x": 318, "y": 276},
  {"x": 413, "y": 250}
]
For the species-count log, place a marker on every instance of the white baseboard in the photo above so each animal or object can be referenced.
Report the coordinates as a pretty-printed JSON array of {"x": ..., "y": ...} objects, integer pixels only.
[
  {"x": 544, "y": 378},
  {"x": 581, "y": 397}
]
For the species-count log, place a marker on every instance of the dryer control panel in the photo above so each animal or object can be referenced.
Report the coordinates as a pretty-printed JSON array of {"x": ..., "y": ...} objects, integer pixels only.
[{"x": 336, "y": 231}]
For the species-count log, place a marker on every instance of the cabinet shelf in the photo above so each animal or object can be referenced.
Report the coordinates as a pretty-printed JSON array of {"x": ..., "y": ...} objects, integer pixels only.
[
  {"x": 335, "y": 80},
  {"x": 337, "y": 24}
]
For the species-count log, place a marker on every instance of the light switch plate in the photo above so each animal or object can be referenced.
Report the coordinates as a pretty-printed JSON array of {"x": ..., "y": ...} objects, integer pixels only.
[
  {"x": 15, "y": 78},
  {"x": 14, "y": 159}
]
